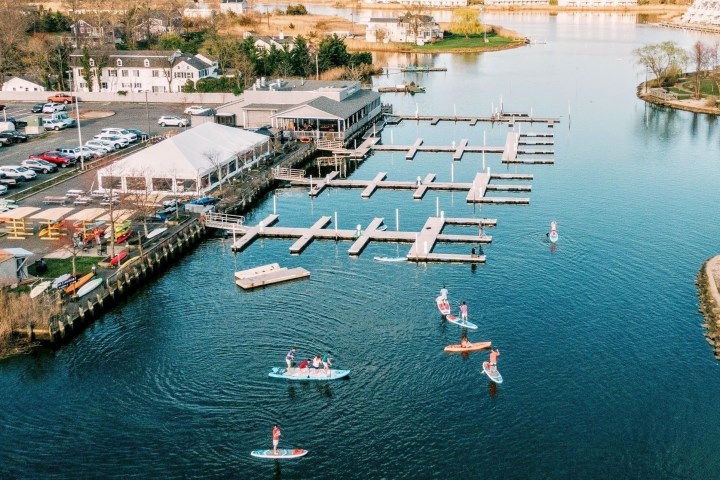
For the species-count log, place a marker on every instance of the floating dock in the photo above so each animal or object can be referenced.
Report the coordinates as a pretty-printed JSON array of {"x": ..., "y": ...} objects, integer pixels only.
[{"x": 268, "y": 275}]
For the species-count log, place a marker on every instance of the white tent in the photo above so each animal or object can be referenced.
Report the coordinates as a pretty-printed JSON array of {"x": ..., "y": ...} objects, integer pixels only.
[{"x": 192, "y": 162}]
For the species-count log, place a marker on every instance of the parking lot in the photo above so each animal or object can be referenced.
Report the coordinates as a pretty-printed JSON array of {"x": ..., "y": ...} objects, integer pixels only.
[{"x": 93, "y": 117}]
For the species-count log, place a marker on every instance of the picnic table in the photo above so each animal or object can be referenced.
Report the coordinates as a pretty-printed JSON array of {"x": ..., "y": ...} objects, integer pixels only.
[
  {"x": 81, "y": 200},
  {"x": 55, "y": 200},
  {"x": 74, "y": 193}
]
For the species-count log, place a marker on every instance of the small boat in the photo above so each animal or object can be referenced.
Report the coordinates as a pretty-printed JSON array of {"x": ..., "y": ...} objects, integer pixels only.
[
  {"x": 382, "y": 227},
  {"x": 156, "y": 232},
  {"x": 73, "y": 287},
  {"x": 390, "y": 259},
  {"x": 61, "y": 279},
  {"x": 282, "y": 453},
  {"x": 89, "y": 287},
  {"x": 121, "y": 238},
  {"x": 553, "y": 234},
  {"x": 443, "y": 305},
  {"x": 115, "y": 261},
  {"x": 472, "y": 347},
  {"x": 308, "y": 374},
  {"x": 40, "y": 288}
]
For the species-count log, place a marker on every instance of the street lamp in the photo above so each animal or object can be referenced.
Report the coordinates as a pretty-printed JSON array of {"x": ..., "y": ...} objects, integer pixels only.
[
  {"x": 147, "y": 114},
  {"x": 77, "y": 118}
]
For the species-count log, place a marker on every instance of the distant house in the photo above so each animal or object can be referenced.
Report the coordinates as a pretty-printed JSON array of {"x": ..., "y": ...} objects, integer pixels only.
[
  {"x": 236, "y": 6},
  {"x": 151, "y": 28},
  {"x": 199, "y": 10},
  {"x": 142, "y": 70},
  {"x": 280, "y": 42},
  {"x": 89, "y": 35},
  {"x": 23, "y": 84},
  {"x": 408, "y": 28},
  {"x": 426, "y": 3}
]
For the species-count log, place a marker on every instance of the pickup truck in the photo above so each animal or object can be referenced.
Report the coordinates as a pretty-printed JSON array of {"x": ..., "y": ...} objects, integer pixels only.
[
  {"x": 62, "y": 98},
  {"x": 7, "y": 181}
]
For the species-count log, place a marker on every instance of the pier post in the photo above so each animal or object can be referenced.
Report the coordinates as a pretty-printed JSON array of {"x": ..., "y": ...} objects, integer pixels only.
[
  {"x": 397, "y": 220},
  {"x": 437, "y": 206},
  {"x": 336, "y": 225}
]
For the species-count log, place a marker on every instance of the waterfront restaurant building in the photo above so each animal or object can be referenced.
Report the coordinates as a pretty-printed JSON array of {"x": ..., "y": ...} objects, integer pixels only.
[
  {"x": 191, "y": 163},
  {"x": 335, "y": 110}
]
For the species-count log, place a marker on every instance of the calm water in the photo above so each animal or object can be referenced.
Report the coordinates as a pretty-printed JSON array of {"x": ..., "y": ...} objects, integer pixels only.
[{"x": 607, "y": 374}]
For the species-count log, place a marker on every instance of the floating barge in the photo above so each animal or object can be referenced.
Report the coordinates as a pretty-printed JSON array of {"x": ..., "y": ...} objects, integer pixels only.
[{"x": 268, "y": 275}]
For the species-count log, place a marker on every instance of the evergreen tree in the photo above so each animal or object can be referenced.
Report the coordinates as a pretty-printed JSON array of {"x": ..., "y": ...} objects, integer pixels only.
[
  {"x": 300, "y": 61},
  {"x": 332, "y": 53}
]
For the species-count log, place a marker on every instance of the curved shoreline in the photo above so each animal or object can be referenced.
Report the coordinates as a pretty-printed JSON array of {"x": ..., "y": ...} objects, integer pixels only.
[
  {"x": 709, "y": 296},
  {"x": 685, "y": 105},
  {"x": 400, "y": 48}
]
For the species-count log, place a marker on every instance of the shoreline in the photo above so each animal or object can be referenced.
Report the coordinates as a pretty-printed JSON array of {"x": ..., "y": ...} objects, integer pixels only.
[
  {"x": 709, "y": 297},
  {"x": 689, "y": 105}
]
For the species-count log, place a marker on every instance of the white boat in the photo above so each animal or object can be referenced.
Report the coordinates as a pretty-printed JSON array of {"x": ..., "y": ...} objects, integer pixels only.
[
  {"x": 553, "y": 234},
  {"x": 155, "y": 232},
  {"x": 89, "y": 287},
  {"x": 40, "y": 288}
]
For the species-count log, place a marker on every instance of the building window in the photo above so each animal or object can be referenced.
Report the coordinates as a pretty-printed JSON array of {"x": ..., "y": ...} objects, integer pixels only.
[
  {"x": 104, "y": 85},
  {"x": 92, "y": 62},
  {"x": 138, "y": 85},
  {"x": 146, "y": 63},
  {"x": 156, "y": 73},
  {"x": 136, "y": 73},
  {"x": 112, "y": 72},
  {"x": 118, "y": 63},
  {"x": 124, "y": 73},
  {"x": 83, "y": 85},
  {"x": 159, "y": 89}
]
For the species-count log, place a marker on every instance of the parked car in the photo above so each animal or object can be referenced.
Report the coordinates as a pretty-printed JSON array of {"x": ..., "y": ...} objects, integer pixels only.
[
  {"x": 63, "y": 118},
  {"x": 117, "y": 142},
  {"x": 173, "y": 121},
  {"x": 37, "y": 165},
  {"x": 195, "y": 110},
  {"x": 56, "y": 158},
  {"x": 4, "y": 141},
  {"x": 140, "y": 134},
  {"x": 122, "y": 133},
  {"x": 53, "y": 124},
  {"x": 7, "y": 181},
  {"x": 18, "y": 172},
  {"x": 76, "y": 152},
  {"x": 37, "y": 108},
  {"x": 64, "y": 98},
  {"x": 14, "y": 136},
  {"x": 100, "y": 145},
  {"x": 53, "y": 107},
  {"x": 18, "y": 123},
  {"x": 3, "y": 189}
]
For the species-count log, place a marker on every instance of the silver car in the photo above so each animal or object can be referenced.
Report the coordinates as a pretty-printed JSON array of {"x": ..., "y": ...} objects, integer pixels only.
[{"x": 172, "y": 121}]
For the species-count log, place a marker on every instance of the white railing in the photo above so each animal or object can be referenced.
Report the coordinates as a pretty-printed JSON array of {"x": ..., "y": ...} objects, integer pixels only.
[
  {"x": 282, "y": 173},
  {"x": 224, "y": 221}
]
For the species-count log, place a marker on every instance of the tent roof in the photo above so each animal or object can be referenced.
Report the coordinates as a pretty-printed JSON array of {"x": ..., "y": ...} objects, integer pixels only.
[
  {"x": 187, "y": 154},
  {"x": 17, "y": 252}
]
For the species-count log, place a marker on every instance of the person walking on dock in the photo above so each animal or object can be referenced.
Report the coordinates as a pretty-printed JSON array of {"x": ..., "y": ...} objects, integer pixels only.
[
  {"x": 276, "y": 438},
  {"x": 464, "y": 312},
  {"x": 290, "y": 357}
]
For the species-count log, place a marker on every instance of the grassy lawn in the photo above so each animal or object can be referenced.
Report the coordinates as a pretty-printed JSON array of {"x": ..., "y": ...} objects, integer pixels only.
[
  {"x": 61, "y": 266},
  {"x": 473, "y": 42}
]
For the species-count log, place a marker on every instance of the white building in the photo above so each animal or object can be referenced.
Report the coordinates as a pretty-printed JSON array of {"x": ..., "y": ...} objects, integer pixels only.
[
  {"x": 141, "y": 70},
  {"x": 703, "y": 12},
  {"x": 236, "y": 6},
  {"x": 406, "y": 28},
  {"x": 426, "y": 3},
  {"x": 23, "y": 84},
  {"x": 190, "y": 163},
  {"x": 280, "y": 42}
]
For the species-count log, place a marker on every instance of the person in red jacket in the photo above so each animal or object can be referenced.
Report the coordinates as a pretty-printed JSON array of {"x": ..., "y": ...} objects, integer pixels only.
[{"x": 276, "y": 438}]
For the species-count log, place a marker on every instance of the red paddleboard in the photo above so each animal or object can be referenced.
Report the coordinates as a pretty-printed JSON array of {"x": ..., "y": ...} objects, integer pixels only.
[
  {"x": 443, "y": 305},
  {"x": 114, "y": 261}
]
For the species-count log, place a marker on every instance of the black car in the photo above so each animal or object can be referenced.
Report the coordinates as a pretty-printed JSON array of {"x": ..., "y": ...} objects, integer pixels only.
[
  {"x": 37, "y": 108},
  {"x": 140, "y": 134},
  {"x": 14, "y": 136},
  {"x": 18, "y": 123}
]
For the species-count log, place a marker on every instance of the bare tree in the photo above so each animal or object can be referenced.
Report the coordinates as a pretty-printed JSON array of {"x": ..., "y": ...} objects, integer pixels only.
[
  {"x": 665, "y": 60},
  {"x": 213, "y": 157},
  {"x": 13, "y": 25}
]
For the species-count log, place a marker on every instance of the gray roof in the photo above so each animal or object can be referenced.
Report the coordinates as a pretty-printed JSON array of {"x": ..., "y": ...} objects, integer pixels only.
[
  {"x": 383, "y": 20},
  {"x": 268, "y": 106},
  {"x": 136, "y": 58},
  {"x": 345, "y": 108},
  {"x": 285, "y": 40}
]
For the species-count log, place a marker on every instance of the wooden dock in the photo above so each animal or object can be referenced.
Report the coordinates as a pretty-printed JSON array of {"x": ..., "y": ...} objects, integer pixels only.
[
  {"x": 268, "y": 275},
  {"x": 320, "y": 184},
  {"x": 509, "y": 118},
  {"x": 422, "y": 242}
]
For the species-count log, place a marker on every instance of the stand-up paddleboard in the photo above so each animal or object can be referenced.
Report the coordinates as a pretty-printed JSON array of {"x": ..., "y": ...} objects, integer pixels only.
[
  {"x": 390, "y": 259},
  {"x": 282, "y": 453},
  {"x": 492, "y": 372},
  {"x": 553, "y": 235},
  {"x": 443, "y": 305},
  {"x": 155, "y": 232},
  {"x": 40, "y": 288},
  {"x": 61, "y": 285},
  {"x": 89, "y": 287},
  {"x": 308, "y": 374},
  {"x": 457, "y": 321},
  {"x": 61, "y": 279},
  {"x": 114, "y": 261},
  {"x": 473, "y": 347},
  {"x": 74, "y": 287}
]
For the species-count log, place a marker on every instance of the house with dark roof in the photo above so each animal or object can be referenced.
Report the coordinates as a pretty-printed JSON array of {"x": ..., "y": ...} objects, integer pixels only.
[
  {"x": 280, "y": 42},
  {"x": 406, "y": 28},
  {"x": 329, "y": 110},
  {"x": 93, "y": 35},
  {"x": 141, "y": 70}
]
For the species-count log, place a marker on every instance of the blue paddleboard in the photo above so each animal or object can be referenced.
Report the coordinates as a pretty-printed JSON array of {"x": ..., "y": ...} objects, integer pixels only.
[
  {"x": 308, "y": 374},
  {"x": 457, "y": 321}
]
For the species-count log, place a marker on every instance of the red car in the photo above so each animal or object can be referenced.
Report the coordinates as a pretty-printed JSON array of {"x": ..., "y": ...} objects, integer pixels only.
[
  {"x": 59, "y": 159},
  {"x": 62, "y": 98}
]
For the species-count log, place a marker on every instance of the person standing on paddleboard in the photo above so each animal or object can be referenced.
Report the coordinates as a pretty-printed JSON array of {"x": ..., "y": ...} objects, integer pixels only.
[
  {"x": 290, "y": 357},
  {"x": 494, "y": 353},
  {"x": 444, "y": 293},
  {"x": 463, "y": 312},
  {"x": 327, "y": 362},
  {"x": 276, "y": 438}
]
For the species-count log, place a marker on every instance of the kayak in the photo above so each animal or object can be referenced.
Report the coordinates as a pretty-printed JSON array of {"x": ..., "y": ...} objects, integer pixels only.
[
  {"x": 39, "y": 288},
  {"x": 456, "y": 320},
  {"x": 473, "y": 347}
]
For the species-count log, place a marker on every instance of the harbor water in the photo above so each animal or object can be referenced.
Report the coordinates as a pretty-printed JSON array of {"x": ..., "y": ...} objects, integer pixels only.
[{"x": 607, "y": 373}]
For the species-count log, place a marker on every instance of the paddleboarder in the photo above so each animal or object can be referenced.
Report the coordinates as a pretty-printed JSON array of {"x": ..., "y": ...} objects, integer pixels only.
[
  {"x": 464, "y": 342},
  {"x": 494, "y": 353},
  {"x": 290, "y": 357},
  {"x": 464, "y": 312},
  {"x": 327, "y": 362},
  {"x": 276, "y": 438},
  {"x": 444, "y": 293}
]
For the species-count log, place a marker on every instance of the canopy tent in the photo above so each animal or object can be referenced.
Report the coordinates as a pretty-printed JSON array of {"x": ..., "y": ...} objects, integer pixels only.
[{"x": 192, "y": 162}]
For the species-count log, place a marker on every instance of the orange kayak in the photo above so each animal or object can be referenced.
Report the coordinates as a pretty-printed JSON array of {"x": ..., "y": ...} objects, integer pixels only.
[
  {"x": 72, "y": 288},
  {"x": 473, "y": 347}
]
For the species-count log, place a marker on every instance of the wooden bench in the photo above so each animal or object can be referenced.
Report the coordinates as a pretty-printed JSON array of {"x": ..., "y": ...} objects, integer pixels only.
[{"x": 55, "y": 200}]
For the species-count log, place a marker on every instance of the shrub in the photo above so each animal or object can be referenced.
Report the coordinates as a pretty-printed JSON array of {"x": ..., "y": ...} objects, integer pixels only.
[
  {"x": 298, "y": 9},
  {"x": 711, "y": 101},
  {"x": 122, "y": 93}
]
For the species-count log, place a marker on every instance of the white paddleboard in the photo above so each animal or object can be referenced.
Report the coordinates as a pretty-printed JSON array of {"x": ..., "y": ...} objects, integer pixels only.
[
  {"x": 40, "y": 288},
  {"x": 282, "y": 453},
  {"x": 89, "y": 287},
  {"x": 60, "y": 280},
  {"x": 443, "y": 305},
  {"x": 155, "y": 232},
  {"x": 308, "y": 374},
  {"x": 457, "y": 321},
  {"x": 492, "y": 372}
]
